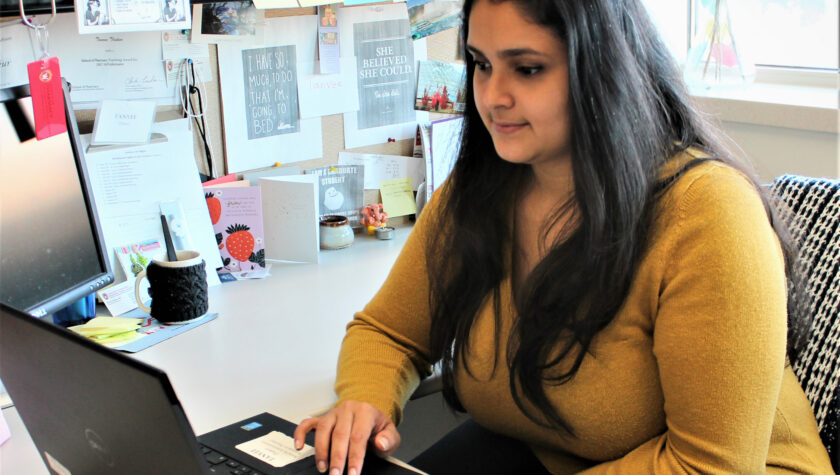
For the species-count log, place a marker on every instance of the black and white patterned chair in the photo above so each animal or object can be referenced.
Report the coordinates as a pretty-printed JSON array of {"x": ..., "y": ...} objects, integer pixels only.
[{"x": 811, "y": 207}]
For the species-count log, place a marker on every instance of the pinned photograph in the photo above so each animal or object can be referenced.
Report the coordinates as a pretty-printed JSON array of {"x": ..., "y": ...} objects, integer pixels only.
[
  {"x": 96, "y": 13},
  {"x": 173, "y": 10},
  {"x": 227, "y": 21},
  {"x": 428, "y": 17},
  {"x": 441, "y": 87}
]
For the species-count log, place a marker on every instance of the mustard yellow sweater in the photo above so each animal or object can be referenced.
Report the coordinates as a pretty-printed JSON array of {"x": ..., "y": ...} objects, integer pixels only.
[{"x": 690, "y": 377}]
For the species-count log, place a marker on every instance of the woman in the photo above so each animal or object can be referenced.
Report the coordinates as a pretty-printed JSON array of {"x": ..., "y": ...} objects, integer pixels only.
[
  {"x": 604, "y": 289},
  {"x": 170, "y": 11},
  {"x": 93, "y": 16}
]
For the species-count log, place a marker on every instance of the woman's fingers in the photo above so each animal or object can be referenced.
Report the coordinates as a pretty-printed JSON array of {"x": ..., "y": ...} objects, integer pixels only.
[
  {"x": 386, "y": 441},
  {"x": 362, "y": 432},
  {"x": 340, "y": 441},
  {"x": 323, "y": 436},
  {"x": 343, "y": 434},
  {"x": 302, "y": 429}
]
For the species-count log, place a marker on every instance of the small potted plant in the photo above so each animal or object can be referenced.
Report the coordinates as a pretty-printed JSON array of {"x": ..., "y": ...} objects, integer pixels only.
[{"x": 372, "y": 217}]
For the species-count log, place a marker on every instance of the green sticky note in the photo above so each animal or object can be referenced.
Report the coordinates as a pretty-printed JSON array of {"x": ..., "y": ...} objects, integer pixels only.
[{"x": 398, "y": 197}]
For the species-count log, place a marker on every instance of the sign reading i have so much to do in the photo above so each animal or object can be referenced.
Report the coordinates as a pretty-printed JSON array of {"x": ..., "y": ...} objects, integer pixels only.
[{"x": 271, "y": 99}]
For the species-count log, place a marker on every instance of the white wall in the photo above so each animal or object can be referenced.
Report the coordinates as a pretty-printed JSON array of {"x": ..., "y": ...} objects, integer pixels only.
[{"x": 778, "y": 150}]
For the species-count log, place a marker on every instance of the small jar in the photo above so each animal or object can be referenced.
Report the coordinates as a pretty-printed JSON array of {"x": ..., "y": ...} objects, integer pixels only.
[{"x": 336, "y": 232}]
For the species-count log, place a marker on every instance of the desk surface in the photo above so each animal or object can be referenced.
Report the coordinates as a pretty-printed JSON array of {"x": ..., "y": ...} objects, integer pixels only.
[{"x": 273, "y": 347}]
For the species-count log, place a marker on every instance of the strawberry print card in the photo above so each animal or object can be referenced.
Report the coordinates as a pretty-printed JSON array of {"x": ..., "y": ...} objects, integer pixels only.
[{"x": 236, "y": 214}]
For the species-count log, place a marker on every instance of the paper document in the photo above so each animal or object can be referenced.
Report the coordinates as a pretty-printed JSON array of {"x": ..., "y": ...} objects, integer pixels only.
[
  {"x": 327, "y": 94},
  {"x": 263, "y": 4},
  {"x": 276, "y": 449},
  {"x": 123, "y": 66},
  {"x": 379, "y": 168},
  {"x": 130, "y": 182},
  {"x": 254, "y": 177},
  {"x": 176, "y": 46},
  {"x": 4, "y": 428}
]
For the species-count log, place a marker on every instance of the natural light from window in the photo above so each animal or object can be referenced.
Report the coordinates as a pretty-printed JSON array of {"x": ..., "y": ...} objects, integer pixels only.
[{"x": 786, "y": 33}]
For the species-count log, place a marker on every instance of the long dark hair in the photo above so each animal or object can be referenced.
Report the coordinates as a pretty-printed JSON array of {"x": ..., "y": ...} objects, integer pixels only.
[{"x": 630, "y": 113}]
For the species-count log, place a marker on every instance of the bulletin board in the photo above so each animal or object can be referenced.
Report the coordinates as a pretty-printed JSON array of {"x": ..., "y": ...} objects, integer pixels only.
[{"x": 442, "y": 46}]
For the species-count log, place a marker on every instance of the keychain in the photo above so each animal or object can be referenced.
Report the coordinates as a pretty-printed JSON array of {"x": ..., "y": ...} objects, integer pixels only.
[{"x": 45, "y": 84}]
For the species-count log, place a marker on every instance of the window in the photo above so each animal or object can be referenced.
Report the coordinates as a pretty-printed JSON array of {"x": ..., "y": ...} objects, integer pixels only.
[
  {"x": 787, "y": 33},
  {"x": 801, "y": 34}
]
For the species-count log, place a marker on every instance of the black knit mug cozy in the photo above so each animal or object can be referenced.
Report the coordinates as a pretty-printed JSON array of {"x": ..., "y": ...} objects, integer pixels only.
[{"x": 178, "y": 288}]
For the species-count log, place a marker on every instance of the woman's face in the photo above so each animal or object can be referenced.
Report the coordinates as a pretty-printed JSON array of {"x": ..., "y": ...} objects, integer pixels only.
[{"x": 520, "y": 83}]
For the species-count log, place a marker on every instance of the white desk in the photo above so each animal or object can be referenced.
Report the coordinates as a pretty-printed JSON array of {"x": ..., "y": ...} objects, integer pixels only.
[{"x": 273, "y": 347}]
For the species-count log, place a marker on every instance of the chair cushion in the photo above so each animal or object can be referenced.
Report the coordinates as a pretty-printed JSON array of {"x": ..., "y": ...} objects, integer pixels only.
[{"x": 811, "y": 208}]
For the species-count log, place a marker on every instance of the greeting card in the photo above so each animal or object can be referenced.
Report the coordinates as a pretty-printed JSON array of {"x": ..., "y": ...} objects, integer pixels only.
[{"x": 236, "y": 214}]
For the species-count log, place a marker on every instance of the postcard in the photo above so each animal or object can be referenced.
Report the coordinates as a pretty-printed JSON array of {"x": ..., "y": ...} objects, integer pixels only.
[
  {"x": 236, "y": 214},
  {"x": 340, "y": 190},
  {"x": 118, "y": 16},
  {"x": 428, "y": 17},
  {"x": 135, "y": 257},
  {"x": 441, "y": 87}
]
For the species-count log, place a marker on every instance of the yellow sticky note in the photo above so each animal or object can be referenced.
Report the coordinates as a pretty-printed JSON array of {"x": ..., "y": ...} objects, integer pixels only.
[
  {"x": 119, "y": 339},
  {"x": 100, "y": 326},
  {"x": 398, "y": 197}
]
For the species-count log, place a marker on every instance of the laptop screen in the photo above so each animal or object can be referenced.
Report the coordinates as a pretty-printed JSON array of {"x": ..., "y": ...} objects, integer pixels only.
[{"x": 90, "y": 409}]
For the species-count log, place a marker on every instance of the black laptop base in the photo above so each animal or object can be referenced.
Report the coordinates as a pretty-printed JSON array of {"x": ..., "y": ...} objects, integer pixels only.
[{"x": 224, "y": 441}]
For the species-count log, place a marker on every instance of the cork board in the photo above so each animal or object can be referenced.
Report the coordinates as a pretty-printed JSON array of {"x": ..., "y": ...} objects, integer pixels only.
[{"x": 442, "y": 46}]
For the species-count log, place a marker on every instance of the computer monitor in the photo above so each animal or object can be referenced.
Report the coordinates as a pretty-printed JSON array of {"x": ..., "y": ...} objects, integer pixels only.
[{"x": 51, "y": 246}]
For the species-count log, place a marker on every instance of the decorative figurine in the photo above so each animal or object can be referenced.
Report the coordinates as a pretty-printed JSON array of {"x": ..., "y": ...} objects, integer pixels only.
[{"x": 372, "y": 217}]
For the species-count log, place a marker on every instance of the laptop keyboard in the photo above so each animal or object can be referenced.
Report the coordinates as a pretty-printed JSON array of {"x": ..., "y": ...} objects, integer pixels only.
[{"x": 221, "y": 464}]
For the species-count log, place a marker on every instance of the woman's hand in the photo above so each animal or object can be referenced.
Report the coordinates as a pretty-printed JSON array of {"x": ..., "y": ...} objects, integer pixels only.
[{"x": 344, "y": 433}]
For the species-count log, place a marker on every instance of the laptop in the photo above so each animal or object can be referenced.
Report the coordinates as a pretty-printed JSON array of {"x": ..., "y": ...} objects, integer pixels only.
[{"x": 90, "y": 409}]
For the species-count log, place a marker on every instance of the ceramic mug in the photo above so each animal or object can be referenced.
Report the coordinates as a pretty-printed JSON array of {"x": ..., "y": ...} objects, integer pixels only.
[
  {"x": 178, "y": 288},
  {"x": 336, "y": 232}
]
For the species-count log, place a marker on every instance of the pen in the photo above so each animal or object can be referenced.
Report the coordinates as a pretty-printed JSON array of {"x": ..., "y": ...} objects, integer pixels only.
[{"x": 170, "y": 249}]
